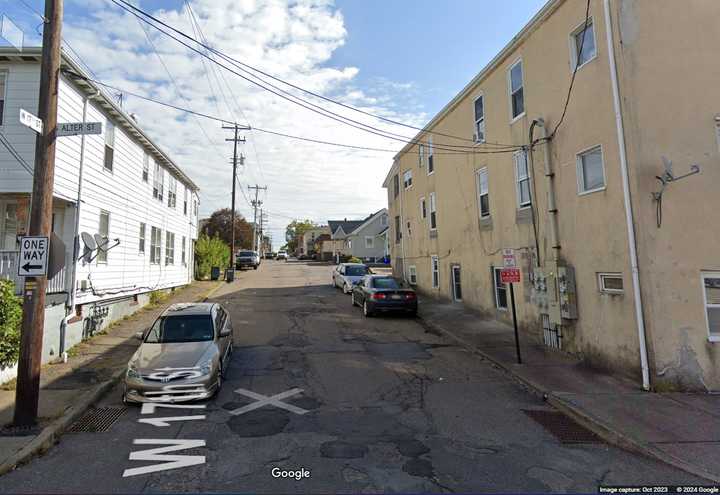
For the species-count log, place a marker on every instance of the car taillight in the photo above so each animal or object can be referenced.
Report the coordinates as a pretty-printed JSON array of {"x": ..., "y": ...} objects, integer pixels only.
[
  {"x": 410, "y": 295},
  {"x": 379, "y": 295}
]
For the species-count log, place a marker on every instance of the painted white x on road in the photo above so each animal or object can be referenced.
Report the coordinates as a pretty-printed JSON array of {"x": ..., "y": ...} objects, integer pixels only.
[{"x": 264, "y": 400}]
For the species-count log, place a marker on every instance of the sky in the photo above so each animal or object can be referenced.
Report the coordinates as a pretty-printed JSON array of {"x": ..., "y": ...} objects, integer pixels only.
[{"x": 401, "y": 59}]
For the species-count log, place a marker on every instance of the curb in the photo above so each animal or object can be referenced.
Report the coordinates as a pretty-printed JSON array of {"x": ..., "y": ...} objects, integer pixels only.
[
  {"x": 51, "y": 433},
  {"x": 600, "y": 428}
]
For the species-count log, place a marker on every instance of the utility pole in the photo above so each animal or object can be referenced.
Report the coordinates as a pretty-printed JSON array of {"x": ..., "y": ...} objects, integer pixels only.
[
  {"x": 256, "y": 204},
  {"x": 28, "y": 378},
  {"x": 235, "y": 139}
]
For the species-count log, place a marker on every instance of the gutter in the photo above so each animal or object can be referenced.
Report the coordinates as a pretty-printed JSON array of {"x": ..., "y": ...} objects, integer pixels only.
[{"x": 629, "y": 220}]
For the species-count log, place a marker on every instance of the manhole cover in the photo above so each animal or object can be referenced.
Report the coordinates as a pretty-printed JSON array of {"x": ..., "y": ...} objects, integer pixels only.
[
  {"x": 98, "y": 420},
  {"x": 563, "y": 428}
]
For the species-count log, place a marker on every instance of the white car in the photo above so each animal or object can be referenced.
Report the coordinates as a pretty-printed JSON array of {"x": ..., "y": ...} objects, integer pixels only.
[
  {"x": 346, "y": 275},
  {"x": 282, "y": 255}
]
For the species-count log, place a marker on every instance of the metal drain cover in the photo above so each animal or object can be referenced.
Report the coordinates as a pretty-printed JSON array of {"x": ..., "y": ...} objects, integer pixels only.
[
  {"x": 563, "y": 428},
  {"x": 97, "y": 420}
]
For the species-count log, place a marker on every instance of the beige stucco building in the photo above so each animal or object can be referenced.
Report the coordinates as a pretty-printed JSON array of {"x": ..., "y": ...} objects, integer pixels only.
[{"x": 630, "y": 283}]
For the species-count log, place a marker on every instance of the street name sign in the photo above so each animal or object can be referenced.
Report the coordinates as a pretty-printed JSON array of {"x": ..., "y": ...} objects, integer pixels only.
[
  {"x": 78, "y": 128},
  {"x": 33, "y": 260},
  {"x": 508, "y": 258},
  {"x": 510, "y": 275},
  {"x": 28, "y": 119}
]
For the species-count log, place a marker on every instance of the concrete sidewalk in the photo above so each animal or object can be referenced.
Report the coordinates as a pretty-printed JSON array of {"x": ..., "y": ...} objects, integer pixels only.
[
  {"x": 681, "y": 429},
  {"x": 68, "y": 389}
]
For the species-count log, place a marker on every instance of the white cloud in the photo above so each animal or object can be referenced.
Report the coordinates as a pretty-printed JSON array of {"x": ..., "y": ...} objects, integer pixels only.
[{"x": 293, "y": 41}]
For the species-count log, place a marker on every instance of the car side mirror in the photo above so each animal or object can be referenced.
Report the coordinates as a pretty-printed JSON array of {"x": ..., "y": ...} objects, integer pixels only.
[{"x": 140, "y": 335}]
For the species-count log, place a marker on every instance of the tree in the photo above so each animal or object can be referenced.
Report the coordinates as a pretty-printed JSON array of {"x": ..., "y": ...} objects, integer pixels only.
[
  {"x": 210, "y": 252},
  {"x": 218, "y": 225},
  {"x": 10, "y": 318},
  {"x": 295, "y": 229}
]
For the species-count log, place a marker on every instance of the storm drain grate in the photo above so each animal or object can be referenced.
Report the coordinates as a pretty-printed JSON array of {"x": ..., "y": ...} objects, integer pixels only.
[
  {"x": 98, "y": 420},
  {"x": 563, "y": 428}
]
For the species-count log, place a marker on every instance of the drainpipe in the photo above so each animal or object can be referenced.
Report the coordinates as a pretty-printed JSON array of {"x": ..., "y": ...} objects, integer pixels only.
[
  {"x": 551, "y": 204},
  {"x": 628, "y": 204},
  {"x": 70, "y": 303},
  {"x": 402, "y": 237}
]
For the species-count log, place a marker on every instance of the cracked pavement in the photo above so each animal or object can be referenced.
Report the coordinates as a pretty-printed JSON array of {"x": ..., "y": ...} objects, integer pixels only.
[{"x": 392, "y": 408}]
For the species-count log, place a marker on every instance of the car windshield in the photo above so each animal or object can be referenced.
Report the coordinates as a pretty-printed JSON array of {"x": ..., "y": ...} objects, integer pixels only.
[
  {"x": 188, "y": 328},
  {"x": 247, "y": 253},
  {"x": 356, "y": 270},
  {"x": 385, "y": 283}
]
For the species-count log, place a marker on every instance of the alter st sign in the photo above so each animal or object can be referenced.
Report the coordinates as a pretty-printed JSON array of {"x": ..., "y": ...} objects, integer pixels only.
[
  {"x": 78, "y": 128},
  {"x": 33, "y": 260}
]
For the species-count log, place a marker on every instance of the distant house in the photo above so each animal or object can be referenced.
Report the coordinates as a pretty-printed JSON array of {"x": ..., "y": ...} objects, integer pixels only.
[
  {"x": 129, "y": 207},
  {"x": 360, "y": 238},
  {"x": 306, "y": 245}
]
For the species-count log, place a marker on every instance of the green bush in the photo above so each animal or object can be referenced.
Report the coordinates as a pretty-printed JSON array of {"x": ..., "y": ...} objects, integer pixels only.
[
  {"x": 10, "y": 322},
  {"x": 210, "y": 252},
  {"x": 156, "y": 297}
]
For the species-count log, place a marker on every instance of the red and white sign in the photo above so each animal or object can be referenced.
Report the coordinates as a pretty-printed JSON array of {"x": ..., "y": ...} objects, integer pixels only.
[
  {"x": 509, "y": 258},
  {"x": 510, "y": 275}
]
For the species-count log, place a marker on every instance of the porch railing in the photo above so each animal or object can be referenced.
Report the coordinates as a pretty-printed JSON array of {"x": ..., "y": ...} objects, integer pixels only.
[{"x": 9, "y": 269}]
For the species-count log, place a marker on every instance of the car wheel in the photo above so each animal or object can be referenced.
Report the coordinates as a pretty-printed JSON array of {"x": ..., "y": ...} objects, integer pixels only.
[
  {"x": 354, "y": 303},
  {"x": 218, "y": 383},
  {"x": 255, "y": 267},
  {"x": 366, "y": 310}
]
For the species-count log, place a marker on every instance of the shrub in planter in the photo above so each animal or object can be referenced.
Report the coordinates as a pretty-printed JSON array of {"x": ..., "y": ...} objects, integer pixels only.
[{"x": 10, "y": 322}]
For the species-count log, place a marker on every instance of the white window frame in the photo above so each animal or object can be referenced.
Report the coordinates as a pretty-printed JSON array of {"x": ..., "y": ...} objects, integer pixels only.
[
  {"x": 423, "y": 208},
  {"x": 169, "y": 248},
  {"x": 158, "y": 182},
  {"x": 519, "y": 61},
  {"x": 454, "y": 283},
  {"x": 432, "y": 209},
  {"x": 580, "y": 174},
  {"x": 421, "y": 155},
  {"x": 497, "y": 269},
  {"x": 703, "y": 275},
  {"x": 519, "y": 179},
  {"x": 412, "y": 275},
  {"x": 4, "y": 75},
  {"x": 185, "y": 200},
  {"x": 102, "y": 256},
  {"x": 574, "y": 48},
  {"x": 431, "y": 157},
  {"x": 109, "y": 142},
  {"x": 184, "y": 253},
  {"x": 477, "y": 122},
  {"x": 146, "y": 168},
  {"x": 435, "y": 270},
  {"x": 478, "y": 183},
  {"x": 407, "y": 179},
  {"x": 142, "y": 238},
  {"x": 155, "y": 245},
  {"x": 172, "y": 191},
  {"x": 607, "y": 290},
  {"x": 371, "y": 244}
]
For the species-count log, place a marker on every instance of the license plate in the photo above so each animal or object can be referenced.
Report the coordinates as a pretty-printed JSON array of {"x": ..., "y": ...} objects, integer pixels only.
[{"x": 396, "y": 296}]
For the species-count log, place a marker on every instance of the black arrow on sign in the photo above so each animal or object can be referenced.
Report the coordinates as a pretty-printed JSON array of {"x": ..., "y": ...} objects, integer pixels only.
[{"x": 27, "y": 267}]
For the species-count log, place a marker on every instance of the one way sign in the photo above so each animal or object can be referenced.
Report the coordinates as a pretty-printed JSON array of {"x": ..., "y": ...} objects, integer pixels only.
[{"x": 33, "y": 260}]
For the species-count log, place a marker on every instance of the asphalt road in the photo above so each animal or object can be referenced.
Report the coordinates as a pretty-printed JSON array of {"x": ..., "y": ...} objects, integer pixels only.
[{"x": 391, "y": 408}]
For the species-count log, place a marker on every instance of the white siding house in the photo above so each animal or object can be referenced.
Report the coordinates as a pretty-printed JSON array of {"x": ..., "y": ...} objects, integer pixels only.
[{"x": 129, "y": 191}]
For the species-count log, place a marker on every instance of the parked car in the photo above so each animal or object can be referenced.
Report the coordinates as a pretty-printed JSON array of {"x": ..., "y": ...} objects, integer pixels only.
[
  {"x": 282, "y": 255},
  {"x": 247, "y": 259},
  {"x": 345, "y": 275},
  {"x": 183, "y": 355},
  {"x": 269, "y": 255},
  {"x": 376, "y": 293},
  {"x": 303, "y": 257}
]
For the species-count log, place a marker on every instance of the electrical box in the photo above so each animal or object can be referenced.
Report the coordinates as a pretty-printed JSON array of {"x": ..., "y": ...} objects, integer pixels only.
[
  {"x": 552, "y": 295},
  {"x": 567, "y": 292},
  {"x": 538, "y": 295}
]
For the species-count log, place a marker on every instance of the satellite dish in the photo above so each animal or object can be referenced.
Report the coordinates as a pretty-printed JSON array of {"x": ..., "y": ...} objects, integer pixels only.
[
  {"x": 88, "y": 241},
  {"x": 100, "y": 241}
]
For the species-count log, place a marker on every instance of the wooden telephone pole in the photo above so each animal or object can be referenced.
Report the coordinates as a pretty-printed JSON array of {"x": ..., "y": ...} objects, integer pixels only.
[
  {"x": 235, "y": 139},
  {"x": 28, "y": 380}
]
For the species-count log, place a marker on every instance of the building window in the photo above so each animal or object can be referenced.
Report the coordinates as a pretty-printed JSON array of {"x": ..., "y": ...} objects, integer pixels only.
[
  {"x": 435, "y": 269},
  {"x": 433, "y": 212},
  {"x": 104, "y": 232},
  {"x": 483, "y": 192},
  {"x": 431, "y": 159},
  {"x": 184, "y": 259},
  {"x": 582, "y": 44},
  {"x": 369, "y": 242},
  {"x": 522, "y": 178},
  {"x": 3, "y": 78},
  {"x": 169, "y": 248},
  {"x": 398, "y": 232},
  {"x": 423, "y": 208},
  {"x": 456, "y": 283},
  {"x": 155, "y": 240},
  {"x": 172, "y": 192},
  {"x": 413, "y": 274},
  {"x": 146, "y": 167},
  {"x": 590, "y": 171},
  {"x": 500, "y": 290},
  {"x": 610, "y": 283},
  {"x": 396, "y": 186},
  {"x": 109, "y": 146},
  {"x": 195, "y": 208},
  {"x": 141, "y": 246},
  {"x": 711, "y": 294},
  {"x": 479, "y": 110},
  {"x": 158, "y": 182},
  {"x": 515, "y": 83},
  {"x": 8, "y": 226},
  {"x": 407, "y": 179},
  {"x": 185, "y": 200},
  {"x": 421, "y": 155}
]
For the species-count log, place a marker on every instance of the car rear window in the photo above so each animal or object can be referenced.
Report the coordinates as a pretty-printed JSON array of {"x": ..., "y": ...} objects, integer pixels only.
[
  {"x": 247, "y": 253},
  {"x": 385, "y": 283},
  {"x": 187, "y": 328},
  {"x": 355, "y": 271}
]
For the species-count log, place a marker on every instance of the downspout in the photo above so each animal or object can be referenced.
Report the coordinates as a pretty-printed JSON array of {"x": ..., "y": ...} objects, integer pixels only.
[
  {"x": 551, "y": 203},
  {"x": 72, "y": 279},
  {"x": 628, "y": 204},
  {"x": 402, "y": 237}
]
